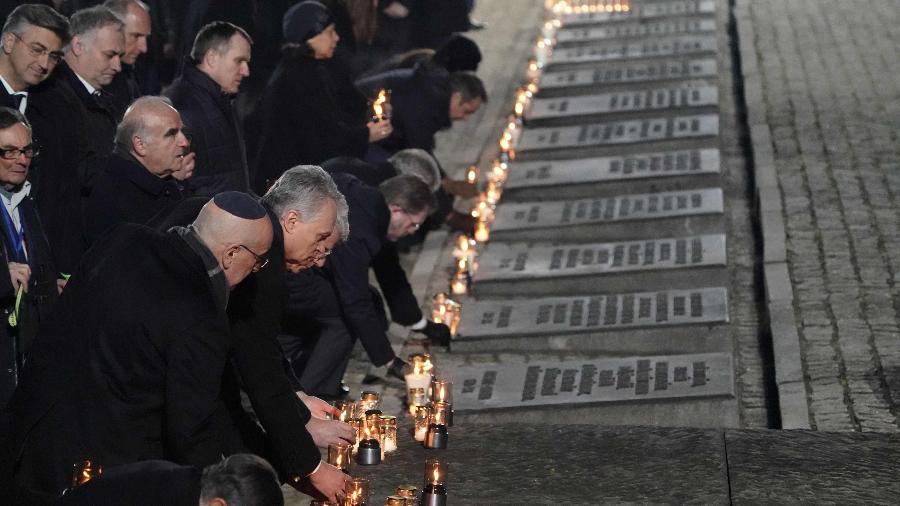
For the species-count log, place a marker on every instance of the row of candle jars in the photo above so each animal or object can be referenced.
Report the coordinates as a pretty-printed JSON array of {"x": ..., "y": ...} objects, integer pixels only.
[{"x": 445, "y": 310}]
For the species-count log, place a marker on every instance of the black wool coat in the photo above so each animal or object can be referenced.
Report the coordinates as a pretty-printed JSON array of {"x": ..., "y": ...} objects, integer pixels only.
[
  {"x": 128, "y": 367},
  {"x": 36, "y": 304},
  {"x": 349, "y": 263},
  {"x": 145, "y": 483},
  {"x": 216, "y": 135},
  {"x": 128, "y": 192},
  {"x": 56, "y": 118},
  {"x": 301, "y": 122}
]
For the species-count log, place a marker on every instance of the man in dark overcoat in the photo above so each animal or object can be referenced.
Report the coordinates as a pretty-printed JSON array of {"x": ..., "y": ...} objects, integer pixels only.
[
  {"x": 32, "y": 41},
  {"x": 125, "y": 88},
  {"x": 203, "y": 94},
  {"x": 139, "y": 184},
  {"x": 29, "y": 288},
  {"x": 130, "y": 364}
]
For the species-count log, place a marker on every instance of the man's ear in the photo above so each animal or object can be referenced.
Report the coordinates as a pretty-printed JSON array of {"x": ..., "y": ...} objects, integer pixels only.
[
  {"x": 138, "y": 145},
  {"x": 8, "y": 40},
  {"x": 289, "y": 220},
  {"x": 76, "y": 45},
  {"x": 228, "y": 257},
  {"x": 395, "y": 207}
]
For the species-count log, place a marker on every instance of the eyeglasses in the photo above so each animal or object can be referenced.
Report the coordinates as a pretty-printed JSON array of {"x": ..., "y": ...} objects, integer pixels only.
[
  {"x": 30, "y": 151},
  {"x": 412, "y": 223},
  {"x": 261, "y": 261},
  {"x": 36, "y": 50}
]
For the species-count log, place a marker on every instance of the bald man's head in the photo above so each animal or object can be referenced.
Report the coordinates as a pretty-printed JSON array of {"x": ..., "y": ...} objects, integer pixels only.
[
  {"x": 237, "y": 230},
  {"x": 151, "y": 130}
]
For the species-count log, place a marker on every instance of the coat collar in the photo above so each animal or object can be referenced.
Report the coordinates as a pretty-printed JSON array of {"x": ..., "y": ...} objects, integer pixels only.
[
  {"x": 190, "y": 73},
  {"x": 124, "y": 165}
]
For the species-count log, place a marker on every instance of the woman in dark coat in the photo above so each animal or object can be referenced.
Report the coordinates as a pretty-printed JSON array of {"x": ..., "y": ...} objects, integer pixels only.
[{"x": 302, "y": 122}]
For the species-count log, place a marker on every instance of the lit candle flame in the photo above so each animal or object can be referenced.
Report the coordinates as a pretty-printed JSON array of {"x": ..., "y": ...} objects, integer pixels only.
[
  {"x": 378, "y": 104},
  {"x": 437, "y": 475},
  {"x": 481, "y": 232}
]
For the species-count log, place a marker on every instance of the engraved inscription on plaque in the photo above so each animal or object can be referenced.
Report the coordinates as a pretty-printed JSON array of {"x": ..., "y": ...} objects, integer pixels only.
[
  {"x": 668, "y": 46},
  {"x": 530, "y": 215},
  {"x": 616, "y": 168},
  {"x": 605, "y": 103},
  {"x": 511, "y": 261},
  {"x": 630, "y": 72},
  {"x": 619, "y": 132},
  {"x": 635, "y": 29},
  {"x": 593, "y": 381},
  {"x": 566, "y": 315},
  {"x": 644, "y": 11}
]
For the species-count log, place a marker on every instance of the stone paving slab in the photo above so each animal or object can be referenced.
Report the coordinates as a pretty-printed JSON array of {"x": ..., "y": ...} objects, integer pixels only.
[
  {"x": 656, "y": 28},
  {"x": 684, "y": 45},
  {"x": 643, "y": 11}
]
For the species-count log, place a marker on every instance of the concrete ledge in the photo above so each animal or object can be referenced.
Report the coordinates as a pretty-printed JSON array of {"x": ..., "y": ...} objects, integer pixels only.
[{"x": 777, "y": 282}]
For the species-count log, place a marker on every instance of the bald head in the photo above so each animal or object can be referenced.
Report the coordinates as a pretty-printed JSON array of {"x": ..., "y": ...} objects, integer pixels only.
[
  {"x": 238, "y": 233},
  {"x": 151, "y": 130}
]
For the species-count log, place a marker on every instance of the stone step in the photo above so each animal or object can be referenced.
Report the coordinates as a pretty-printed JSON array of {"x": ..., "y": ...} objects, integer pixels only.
[
  {"x": 625, "y": 73},
  {"x": 612, "y": 218},
  {"x": 587, "y": 34},
  {"x": 640, "y": 12},
  {"x": 592, "y": 268},
  {"x": 684, "y": 45}
]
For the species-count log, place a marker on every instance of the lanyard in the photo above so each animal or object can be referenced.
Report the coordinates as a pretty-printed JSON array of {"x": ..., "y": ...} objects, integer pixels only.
[{"x": 16, "y": 237}]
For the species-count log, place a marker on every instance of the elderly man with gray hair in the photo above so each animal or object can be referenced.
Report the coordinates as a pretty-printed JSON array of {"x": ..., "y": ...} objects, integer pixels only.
[
  {"x": 417, "y": 162},
  {"x": 151, "y": 149}
]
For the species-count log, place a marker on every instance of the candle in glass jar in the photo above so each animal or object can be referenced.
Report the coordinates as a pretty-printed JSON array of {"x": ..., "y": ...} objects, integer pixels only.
[
  {"x": 418, "y": 378},
  {"x": 389, "y": 433},
  {"x": 347, "y": 408},
  {"x": 380, "y": 104},
  {"x": 423, "y": 417},
  {"x": 442, "y": 412},
  {"x": 417, "y": 397},
  {"x": 472, "y": 174},
  {"x": 434, "y": 493},
  {"x": 481, "y": 235},
  {"x": 85, "y": 471},
  {"x": 356, "y": 424},
  {"x": 357, "y": 492},
  {"x": 368, "y": 401},
  {"x": 407, "y": 491},
  {"x": 441, "y": 391},
  {"x": 339, "y": 456}
]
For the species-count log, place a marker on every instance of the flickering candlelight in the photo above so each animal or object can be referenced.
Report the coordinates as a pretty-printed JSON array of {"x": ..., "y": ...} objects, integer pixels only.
[
  {"x": 460, "y": 283},
  {"x": 436, "y": 437},
  {"x": 368, "y": 401},
  {"x": 423, "y": 417},
  {"x": 356, "y": 424},
  {"x": 389, "y": 434},
  {"x": 472, "y": 174},
  {"x": 357, "y": 492},
  {"x": 434, "y": 492},
  {"x": 418, "y": 378},
  {"x": 380, "y": 104},
  {"x": 348, "y": 408},
  {"x": 339, "y": 456},
  {"x": 416, "y": 397},
  {"x": 443, "y": 412},
  {"x": 441, "y": 391},
  {"x": 85, "y": 471},
  {"x": 369, "y": 451}
]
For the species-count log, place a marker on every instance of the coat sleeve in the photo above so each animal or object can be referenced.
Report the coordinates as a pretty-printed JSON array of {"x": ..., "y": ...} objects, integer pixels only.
[
  {"x": 395, "y": 286},
  {"x": 349, "y": 266},
  {"x": 195, "y": 362},
  {"x": 255, "y": 323}
]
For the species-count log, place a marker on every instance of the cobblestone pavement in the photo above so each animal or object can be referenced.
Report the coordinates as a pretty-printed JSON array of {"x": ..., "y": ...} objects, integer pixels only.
[{"x": 830, "y": 93}]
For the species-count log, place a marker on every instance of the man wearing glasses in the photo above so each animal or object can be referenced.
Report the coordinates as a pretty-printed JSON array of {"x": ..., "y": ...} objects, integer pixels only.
[
  {"x": 139, "y": 184},
  {"x": 29, "y": 290}
]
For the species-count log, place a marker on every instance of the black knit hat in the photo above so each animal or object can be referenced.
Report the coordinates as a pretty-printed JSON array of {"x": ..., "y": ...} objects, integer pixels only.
[
  {"x": 304, "y": 21},
  {"x": 458, "y": 54}
]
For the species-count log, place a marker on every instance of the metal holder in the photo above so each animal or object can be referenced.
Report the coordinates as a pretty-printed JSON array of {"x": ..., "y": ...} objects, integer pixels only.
[
  {"x": 436, "y": 437},
  {"x": 450, "y": 418},
  {"x": 434, "y": 495},
  {"x": 369, "y": 452}
]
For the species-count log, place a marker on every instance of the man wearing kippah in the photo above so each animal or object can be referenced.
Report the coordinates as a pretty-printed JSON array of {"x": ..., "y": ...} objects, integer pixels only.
[{"x": 130, "y": 363}]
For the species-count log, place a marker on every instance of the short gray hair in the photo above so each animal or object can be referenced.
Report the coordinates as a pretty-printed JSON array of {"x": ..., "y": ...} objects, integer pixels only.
[
  {"x": 409, "y": 193},
  {"x": 419, "y": 163},
  {"x": 41, "y": 16},
  {"x": 134, "y": 124},
  {"x": 342, "y": 222},
  {"x": 305, "y": 189},
  {"x": 120, "y": 7},
  {"x": 87, "y": 21}
]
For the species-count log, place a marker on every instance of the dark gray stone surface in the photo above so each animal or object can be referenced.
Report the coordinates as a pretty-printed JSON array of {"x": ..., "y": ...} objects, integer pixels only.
[
  {"x": 804, "y": 467},
  {"x": 578, "y": 464}
]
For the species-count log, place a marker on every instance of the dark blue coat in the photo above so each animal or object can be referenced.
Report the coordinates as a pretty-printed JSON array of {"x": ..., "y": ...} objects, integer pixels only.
[{"x": 216, "y": 136}]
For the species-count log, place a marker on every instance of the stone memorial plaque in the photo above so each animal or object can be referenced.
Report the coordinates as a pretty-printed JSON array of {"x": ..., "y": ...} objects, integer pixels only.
[
  {"x": 631, "y": 72},
  {"x": 615, "y": 168},
  {"x": 645, "y": 206},
  {"x": 619, "y": 132},
  {"x": 643, "y": 11},
  {"x": 491, "y": 386},
  {"x": 635, "y": 29},
  {"x": 628, "y": 101},
  {"x": 668, "y": 46},
  {"x": 522, "y": 261},
  {"x": 565, "y": 315}
]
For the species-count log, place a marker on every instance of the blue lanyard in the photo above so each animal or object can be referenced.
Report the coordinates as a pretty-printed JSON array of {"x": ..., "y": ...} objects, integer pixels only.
[{"x": 16, "y": 237}]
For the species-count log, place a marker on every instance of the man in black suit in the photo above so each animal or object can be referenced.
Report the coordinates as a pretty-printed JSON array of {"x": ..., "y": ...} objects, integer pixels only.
[
  {"x": 139, "y": 184},
  {"x": 130, "y": 364},
  {"x": 32, "y": 278},
  {"x": 32, "y": 40},
  {"x": 125, "y": 88}
]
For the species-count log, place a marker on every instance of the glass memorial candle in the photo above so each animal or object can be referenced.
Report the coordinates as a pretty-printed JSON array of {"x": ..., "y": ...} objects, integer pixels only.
[
  {"x": 441, "y": 391},
  {"x": 395, "y": 500},
  {"x": 419, "y": 377},
  {"x": 407, "y": 491},
  {"x": 436, "y": 436},
  {"x": 368, "y": 401},
  {"x": 348, "y": 409},
  {"x": 445, "y": 410},
  {"x": 339, "y": 456},
  {"x": 472, "y": 174},
  {"x": 389, "y": 433},
  {"x": 357, "y": 492},
  {"x": 356, "y": 423},
  {"x": 369, "y": 452},
  {"x": 482, "y": 234},
  {"x": 434, "y": 493},
  {"x": 423, "y": 417},
  {"x": 417, "y": 397},
  {"x": 380, "y": 105}
]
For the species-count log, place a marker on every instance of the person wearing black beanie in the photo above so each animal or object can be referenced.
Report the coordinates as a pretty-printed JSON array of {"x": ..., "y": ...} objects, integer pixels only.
[{"x": 301, "y": 120}]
